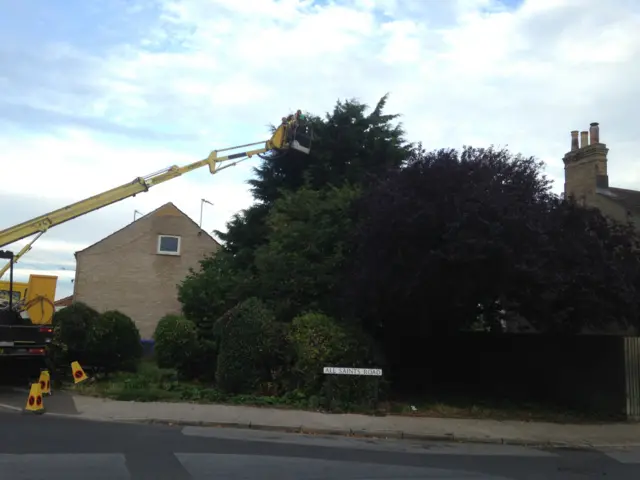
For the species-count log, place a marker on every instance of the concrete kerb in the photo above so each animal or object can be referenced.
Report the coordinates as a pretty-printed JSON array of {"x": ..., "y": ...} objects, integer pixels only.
[{"x": 398, "y": 435}]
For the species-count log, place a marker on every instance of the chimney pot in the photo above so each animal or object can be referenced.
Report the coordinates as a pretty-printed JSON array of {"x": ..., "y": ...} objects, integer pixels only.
[
  {"x": 594, "y": 133},
  {"x": 584, "y": 139},
  {"x": 574, "y": 140}
]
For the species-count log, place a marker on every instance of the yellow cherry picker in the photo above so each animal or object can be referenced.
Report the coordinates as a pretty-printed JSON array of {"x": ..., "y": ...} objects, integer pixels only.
[{"x": 28, "y": 338}]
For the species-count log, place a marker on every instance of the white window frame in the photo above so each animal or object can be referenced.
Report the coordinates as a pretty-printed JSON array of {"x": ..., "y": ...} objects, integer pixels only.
[{"x": 164, "y": 252}]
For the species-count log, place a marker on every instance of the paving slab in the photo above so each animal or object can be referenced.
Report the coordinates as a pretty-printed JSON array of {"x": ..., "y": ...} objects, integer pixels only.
[
  {"x": 407, "y": 427},
  {"x": 270, "y": 419}
]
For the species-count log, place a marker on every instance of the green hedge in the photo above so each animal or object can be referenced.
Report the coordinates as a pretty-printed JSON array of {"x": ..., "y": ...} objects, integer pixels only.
[
  {"x": 201, "y": 363},
  {"x": 108, "y": 342},
  {"x": 72, "y": 328},
  {"x": 176, "y": 338},
  {"x": 249, "y": 349},
  {"x": 114, "y": 342},
  {"x": 319, "y": 341}
]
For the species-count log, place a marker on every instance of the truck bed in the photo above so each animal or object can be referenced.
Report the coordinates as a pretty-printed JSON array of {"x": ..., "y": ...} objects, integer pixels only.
[{"x": 25, "y": 340}]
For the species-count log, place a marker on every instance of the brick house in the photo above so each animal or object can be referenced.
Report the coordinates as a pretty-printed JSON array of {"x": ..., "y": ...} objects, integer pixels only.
[
  {"x": 63, "y": 303},
  {"x": 137, "y": 269},
  {"x": 587, "y": 182}
]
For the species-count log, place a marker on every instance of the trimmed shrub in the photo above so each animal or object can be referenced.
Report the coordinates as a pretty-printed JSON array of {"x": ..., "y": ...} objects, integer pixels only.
[
  {"x": 247, "y": 337},
  {"x": 280, "y": 360},
  {"x": 114, "y": 343},
  {"x": 201, "y": 363},
  {"x": 72, "y": 331},
  {"x": 176, "y": 343},
  {"x": 107, "y": 342},
  {"x": 318, "y": 341}
]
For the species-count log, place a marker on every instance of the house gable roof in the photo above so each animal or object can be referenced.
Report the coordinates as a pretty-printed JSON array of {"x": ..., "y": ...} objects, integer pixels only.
[
  {"x": 64, "y": 302},
  {"x": 628, "y": 199},
  {"x": 147, "y": 216}
]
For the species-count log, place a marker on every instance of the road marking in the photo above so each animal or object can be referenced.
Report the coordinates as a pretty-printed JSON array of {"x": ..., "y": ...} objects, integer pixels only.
[
  {"x": 36, "y": 466},
  {"x": 157, "y": 465},
  {"x": 115, "y": 466},
  {"x": 626, "y": 455},
  {"x": 208, "y": 465},
  {"x": 10, "y": 407},
  {"x": 20, "y": 389}
]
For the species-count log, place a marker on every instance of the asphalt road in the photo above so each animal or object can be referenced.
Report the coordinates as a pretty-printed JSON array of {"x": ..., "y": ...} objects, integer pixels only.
[{"x": 56, "y": 448}]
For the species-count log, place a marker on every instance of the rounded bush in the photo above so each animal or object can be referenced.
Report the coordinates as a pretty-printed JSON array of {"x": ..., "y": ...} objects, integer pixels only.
[
  {"x": 201, "y": 363},
  {"x": 176, "y": 341},
  {"x": 318, "y": 341},
  {"x": 72, "y": 331},
  {"x": 115, "y": 342},
  {"x": 245, "y": 352}
]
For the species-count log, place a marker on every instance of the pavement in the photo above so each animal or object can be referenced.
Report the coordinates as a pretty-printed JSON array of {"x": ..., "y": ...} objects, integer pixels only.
[
  {"x": 53, "y": 447},
  {"x": 64, "y": 404}
]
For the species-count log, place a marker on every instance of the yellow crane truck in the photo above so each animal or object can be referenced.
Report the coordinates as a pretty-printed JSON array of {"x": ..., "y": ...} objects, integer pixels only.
[
  {"x": 29, "y": 337},
  {"x": 26, "y": 310}
]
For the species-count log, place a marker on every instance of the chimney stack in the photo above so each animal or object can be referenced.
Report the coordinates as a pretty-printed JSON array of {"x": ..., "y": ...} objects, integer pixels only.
[
  {"x": 574, "y": 140},
  {"x": 594, "y": 133},
  {"x": 585, "y": 165},
  {"x": 584, "y": 139}
]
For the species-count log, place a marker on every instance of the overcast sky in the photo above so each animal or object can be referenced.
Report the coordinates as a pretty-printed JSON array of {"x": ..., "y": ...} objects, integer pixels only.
[{"x": 94, "y": 94}]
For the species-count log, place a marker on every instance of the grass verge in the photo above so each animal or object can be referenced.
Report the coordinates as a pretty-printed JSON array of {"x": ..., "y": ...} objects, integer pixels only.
[
  {"x": 153, "y": 384},
  {"x": 494, "y": 409}
]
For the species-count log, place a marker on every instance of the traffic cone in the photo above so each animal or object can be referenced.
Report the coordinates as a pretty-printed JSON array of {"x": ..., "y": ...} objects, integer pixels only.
[
  {"x": 78, "y": 373},
  {"x": 34, "y": 402},
  {"x": 45, "y": 382}
]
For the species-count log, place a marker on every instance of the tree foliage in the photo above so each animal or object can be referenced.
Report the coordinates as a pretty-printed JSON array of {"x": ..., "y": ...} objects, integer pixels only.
[
  {"x": 216, "y": 287},
  {"x": 300, "y": 266},
  {"x": 353, "y": 148},
  {"x": 458, "y": 234},
  {"x": 581, "y": 273},
  {"x": 389, "y": 240}
]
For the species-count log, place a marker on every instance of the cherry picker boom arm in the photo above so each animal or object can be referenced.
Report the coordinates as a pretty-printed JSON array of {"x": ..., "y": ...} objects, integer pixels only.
[{"x": 283, "y": 139}]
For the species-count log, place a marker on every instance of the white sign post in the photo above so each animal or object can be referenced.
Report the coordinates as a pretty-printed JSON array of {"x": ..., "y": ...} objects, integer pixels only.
[{"x": 373, "y": 372}]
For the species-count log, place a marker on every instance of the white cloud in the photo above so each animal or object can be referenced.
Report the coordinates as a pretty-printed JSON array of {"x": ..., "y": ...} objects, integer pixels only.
[{"x": 197, "y": 75}]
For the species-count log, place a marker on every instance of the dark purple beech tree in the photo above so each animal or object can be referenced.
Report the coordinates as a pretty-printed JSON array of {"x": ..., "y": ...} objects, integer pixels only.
[{"x": 475, "y": 239}]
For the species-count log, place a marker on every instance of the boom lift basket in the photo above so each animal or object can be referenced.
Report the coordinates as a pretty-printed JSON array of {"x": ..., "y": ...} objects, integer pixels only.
[
  {"x": 299, "y": 134},
  {"x": 302, "y": 140}
]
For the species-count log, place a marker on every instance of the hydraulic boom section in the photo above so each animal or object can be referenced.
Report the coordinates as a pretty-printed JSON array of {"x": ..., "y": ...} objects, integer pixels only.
[{"x": 293, "y": 133}]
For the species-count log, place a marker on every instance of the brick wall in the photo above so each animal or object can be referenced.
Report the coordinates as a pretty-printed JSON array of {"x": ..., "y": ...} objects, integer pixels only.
[
  {"x": 582, "y": 168},
  {"x": 124, "y": 271}
]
